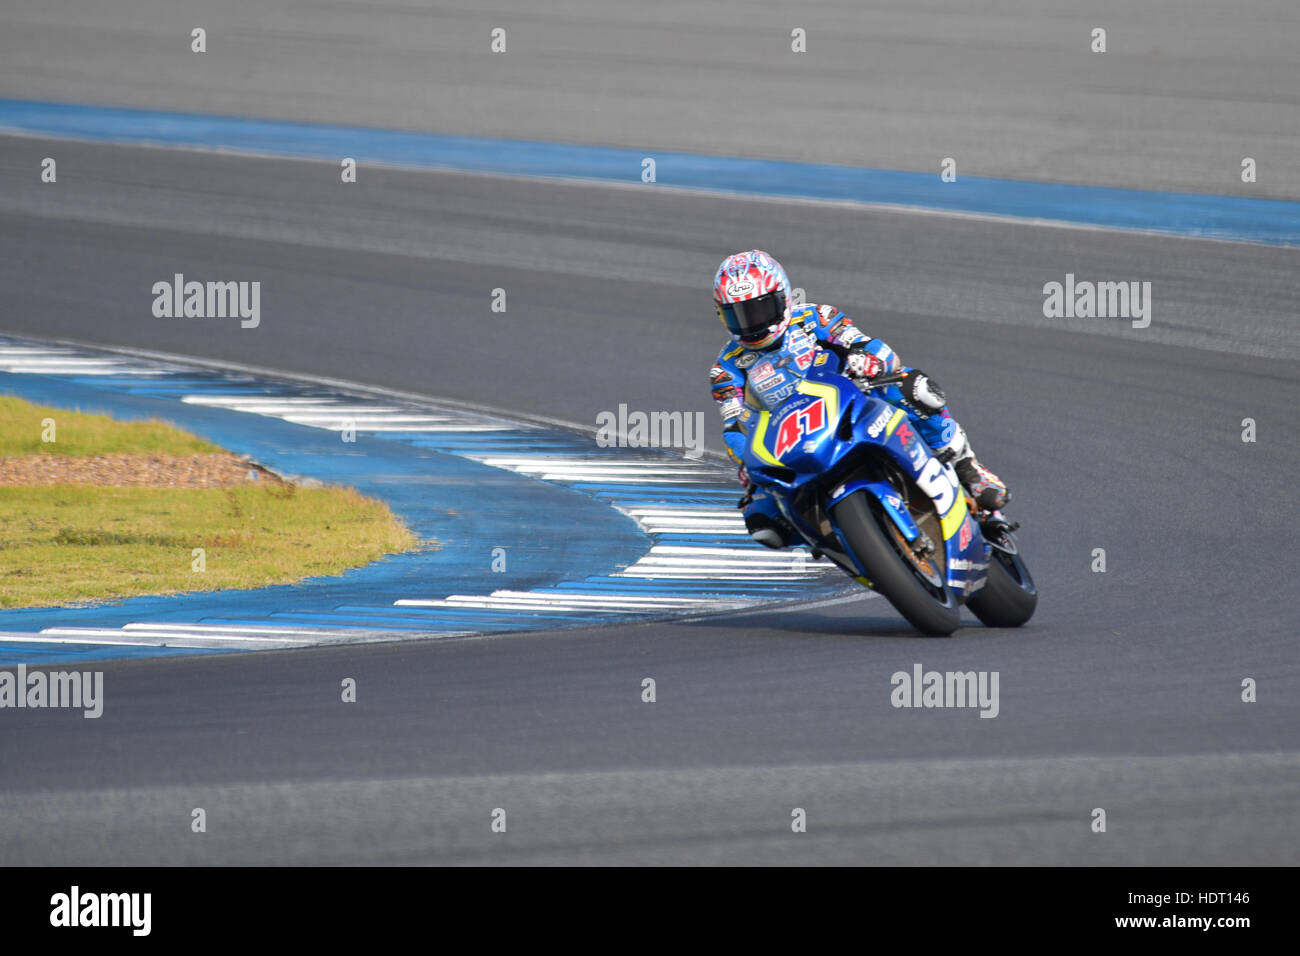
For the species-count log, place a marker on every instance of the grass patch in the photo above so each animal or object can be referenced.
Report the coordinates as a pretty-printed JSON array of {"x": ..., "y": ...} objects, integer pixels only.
[
  {"x": 73, "y": 544},
  {"x": 23, "y": 427},
  {"x": 63, "y": 544}
]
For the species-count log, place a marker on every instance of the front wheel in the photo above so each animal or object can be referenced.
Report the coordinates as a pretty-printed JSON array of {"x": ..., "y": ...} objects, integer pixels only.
[{"x": 929, "y": 607}]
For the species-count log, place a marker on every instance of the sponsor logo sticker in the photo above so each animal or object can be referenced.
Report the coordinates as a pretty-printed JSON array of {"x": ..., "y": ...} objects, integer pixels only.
[
  {"x": 877, "y": 426},
  {"x": 963, "y": 536}
]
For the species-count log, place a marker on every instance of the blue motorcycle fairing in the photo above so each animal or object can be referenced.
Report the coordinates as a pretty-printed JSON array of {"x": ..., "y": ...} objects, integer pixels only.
[
  {"x": 888, "y": 498},
  {"x": 827, "y": 419}
]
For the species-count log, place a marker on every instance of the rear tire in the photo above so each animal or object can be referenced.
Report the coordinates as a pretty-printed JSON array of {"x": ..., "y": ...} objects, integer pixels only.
[
  {"x": 1008, "y": 598},
  {"x": 889, "y": 572}
]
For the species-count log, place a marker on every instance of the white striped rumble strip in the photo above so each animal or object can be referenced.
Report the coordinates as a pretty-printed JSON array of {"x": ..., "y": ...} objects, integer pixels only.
[
  {"x": 685, "y": 562},
  {"x": 338, "y": 415},
  {"x": 700, "y": 559},
  {"x": 611, "y": 603},
  {"x": 200, "y": 636},
  {"x": 55, "y": 361}
]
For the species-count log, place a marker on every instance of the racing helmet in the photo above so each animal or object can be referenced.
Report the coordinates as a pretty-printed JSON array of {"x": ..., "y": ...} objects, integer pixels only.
[{"x": 752, "y": 296}]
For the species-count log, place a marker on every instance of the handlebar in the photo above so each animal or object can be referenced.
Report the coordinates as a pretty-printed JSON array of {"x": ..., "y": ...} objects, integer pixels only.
[{"x": 881, "y": 381}]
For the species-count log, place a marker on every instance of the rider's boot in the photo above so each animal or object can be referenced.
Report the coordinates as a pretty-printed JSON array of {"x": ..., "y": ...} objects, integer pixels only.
[{"x": 989, "y": 491}]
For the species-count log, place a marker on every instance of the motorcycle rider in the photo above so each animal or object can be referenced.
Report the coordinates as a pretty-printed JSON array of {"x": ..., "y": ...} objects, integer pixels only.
[{"x": 752, "y": 296}]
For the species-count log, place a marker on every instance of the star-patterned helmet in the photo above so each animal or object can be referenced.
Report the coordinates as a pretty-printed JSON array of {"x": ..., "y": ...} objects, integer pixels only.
[{"x": 752, "y": 295}]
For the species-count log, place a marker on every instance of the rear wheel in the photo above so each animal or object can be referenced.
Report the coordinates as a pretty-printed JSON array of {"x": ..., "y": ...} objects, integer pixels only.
[
  {"x": 915, "y": 587},
  {"x": 1008, "y": 598}
]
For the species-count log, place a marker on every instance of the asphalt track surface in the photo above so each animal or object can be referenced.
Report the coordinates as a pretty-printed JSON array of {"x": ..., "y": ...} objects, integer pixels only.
[
  {"x": 1123, "y": 693},
  {"x": 1184, "y": 91}
]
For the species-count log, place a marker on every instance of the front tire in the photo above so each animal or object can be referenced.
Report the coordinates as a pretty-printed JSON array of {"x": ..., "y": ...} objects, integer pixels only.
[{"x": 890, "y": 573}]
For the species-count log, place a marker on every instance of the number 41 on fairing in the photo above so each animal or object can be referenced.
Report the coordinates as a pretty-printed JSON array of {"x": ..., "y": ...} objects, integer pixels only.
[{"x": 794, "y": 426}]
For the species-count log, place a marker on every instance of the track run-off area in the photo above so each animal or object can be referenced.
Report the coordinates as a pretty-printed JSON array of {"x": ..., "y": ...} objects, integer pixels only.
[{"x": 637, "y": 536}]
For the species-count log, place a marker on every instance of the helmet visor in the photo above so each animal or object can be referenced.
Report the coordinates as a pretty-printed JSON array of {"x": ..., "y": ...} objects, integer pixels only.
[{"x": 752, "y": 319}]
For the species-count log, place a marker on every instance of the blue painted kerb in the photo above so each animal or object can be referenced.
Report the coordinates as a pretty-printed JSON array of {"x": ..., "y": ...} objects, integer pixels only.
[{"x": 1268, "y": 221}]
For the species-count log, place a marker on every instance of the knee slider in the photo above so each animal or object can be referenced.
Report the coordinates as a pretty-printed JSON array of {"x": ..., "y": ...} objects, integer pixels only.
[{"x": 766, "y": 531}]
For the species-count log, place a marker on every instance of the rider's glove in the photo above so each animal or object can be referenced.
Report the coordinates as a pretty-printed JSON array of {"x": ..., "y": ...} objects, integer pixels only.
[
  {"x": 742, "y": 476},
  {"x": 860, "y": 364}
]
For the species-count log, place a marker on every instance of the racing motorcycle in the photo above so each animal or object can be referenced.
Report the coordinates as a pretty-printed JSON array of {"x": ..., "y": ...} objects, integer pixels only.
[{"x": 862, "y": 488}]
